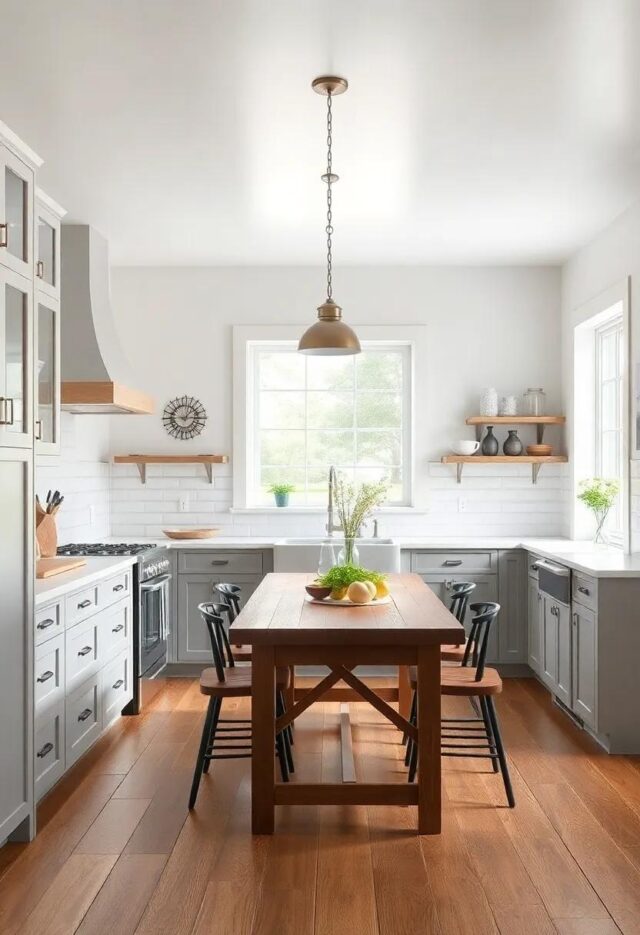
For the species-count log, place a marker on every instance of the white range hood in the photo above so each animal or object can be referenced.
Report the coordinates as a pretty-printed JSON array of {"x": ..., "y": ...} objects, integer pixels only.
[{"x": 96, "y": 377}]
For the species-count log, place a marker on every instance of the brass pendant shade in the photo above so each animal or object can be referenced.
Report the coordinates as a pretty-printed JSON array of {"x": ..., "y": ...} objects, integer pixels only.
[{"x": 329, "y": 335}]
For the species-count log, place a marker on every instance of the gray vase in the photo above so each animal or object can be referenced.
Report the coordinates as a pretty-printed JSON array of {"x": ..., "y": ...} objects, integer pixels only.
[
  {"x": 490, "y": 444},
  {"x": 512, "y": 445}
]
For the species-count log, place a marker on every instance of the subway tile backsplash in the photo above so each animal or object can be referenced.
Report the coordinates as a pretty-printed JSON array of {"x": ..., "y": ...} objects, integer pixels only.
[{"x": 492, "y": 500}]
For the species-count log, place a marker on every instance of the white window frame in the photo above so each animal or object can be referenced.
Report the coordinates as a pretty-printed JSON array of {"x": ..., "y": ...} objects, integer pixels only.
[
  {"x": 247, "y": 337},
  {"x": 615, "y": 534}
]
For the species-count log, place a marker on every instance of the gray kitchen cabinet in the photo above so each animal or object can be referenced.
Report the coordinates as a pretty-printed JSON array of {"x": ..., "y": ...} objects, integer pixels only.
[
  {"x": 16, "y": 208},
  {"x": 584, "y": 667},
  {"x": 556, "y": 648},
  {"x": 16, "y": 640},
  {"x": 512, "y": 621},
  {"x": 535, "y": 626},
  {"x": 16, "y": 360},
  {"x": 194, "y": 589}
]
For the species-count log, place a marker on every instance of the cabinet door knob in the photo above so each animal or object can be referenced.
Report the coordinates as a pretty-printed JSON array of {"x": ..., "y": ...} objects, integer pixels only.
[
  {"x": 38, "y": 430},
  {"x": 575, "y": 620},
  {"x": 85, "y": 714},
  {"x": 40, "y": 269},
  {"x": 3, "y": 235},
  {"x": 45, "y": 676},
  {"x": 42, "y": 752}
]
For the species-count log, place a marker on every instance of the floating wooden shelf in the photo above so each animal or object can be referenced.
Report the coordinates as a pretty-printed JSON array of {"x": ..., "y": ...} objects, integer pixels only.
[
  {"x": 536, "y": 463},
  {"x": 142, "y": 460},
  {"x": 538, "y": 421}
]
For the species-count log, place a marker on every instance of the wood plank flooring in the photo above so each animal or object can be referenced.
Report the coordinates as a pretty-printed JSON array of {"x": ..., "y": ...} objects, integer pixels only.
[{"x": 118, "y": 852}]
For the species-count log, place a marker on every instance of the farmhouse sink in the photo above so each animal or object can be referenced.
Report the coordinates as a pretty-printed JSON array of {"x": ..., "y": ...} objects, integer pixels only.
[{"x": 303, "y": 554}]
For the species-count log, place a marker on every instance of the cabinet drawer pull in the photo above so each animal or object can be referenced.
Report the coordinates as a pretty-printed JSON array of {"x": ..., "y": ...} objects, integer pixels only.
[
  {"x": 575, "y": 620},
  {"x": 7, "y": 407},
  {"x": 118, "y": 628},
  {"x": 85, "y": 603},
  {"x": 583, "y": 590},
  {"x": 45, "y": 676},
  {"x": 118, "y": 587},
  {"x": 45, "y": 624},
  {"x": 85, "y": 714},
  {"x": 220, "y": 561},
  {"x": 48, "y": 747},
  {"x": 3, "y": 235},
  {"x": 85, "y": 650},
  {"x": 118, "y": 684},
  {"x": 40, "y": 269},
  {"x": 38, "y": 430},
  {"x": 452, "y": 562}
]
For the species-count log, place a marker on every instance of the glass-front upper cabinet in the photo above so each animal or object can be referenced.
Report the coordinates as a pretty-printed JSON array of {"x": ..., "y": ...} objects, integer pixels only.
[
  {"x": 48, "y": 216},
  {"x": 47, "y": 415},
  {"x": 16, "y": 375},
  {"x": 16, "y": 213}
]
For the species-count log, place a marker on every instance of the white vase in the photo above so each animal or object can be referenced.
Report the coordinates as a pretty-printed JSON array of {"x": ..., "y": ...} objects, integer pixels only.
[{"x": 489, "y": 402}]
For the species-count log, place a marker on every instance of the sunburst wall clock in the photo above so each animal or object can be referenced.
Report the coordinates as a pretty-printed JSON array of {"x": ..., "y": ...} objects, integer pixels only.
[{"x": 184, "y": 417}]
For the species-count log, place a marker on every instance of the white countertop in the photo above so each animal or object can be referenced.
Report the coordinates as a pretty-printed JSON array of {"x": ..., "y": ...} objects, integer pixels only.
[
  {"x": 583, "y": 555},
  {"x": 50, "y": 589}
]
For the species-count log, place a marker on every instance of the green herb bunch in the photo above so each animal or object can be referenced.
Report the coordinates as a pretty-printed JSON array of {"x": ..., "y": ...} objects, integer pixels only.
[
  {"x": 341, "y": 576},
  {"x": 599, "y": 495}
]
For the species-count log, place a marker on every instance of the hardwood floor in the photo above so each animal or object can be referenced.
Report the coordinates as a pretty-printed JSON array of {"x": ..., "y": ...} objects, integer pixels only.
[{"x": 118, "y": 852}]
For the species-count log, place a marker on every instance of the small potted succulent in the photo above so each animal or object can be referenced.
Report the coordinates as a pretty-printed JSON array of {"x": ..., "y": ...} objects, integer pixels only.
[
  {"x": 281, "y": 493},
  {"x": 599, "y": 495}
]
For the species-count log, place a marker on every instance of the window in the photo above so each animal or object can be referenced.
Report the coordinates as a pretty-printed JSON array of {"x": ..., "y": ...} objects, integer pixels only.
[
  {"x": 609, "y": 399},
  {"x": 307, "y": 413}
]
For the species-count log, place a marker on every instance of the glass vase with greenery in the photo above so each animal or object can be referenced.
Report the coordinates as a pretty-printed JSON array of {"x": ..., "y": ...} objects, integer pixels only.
[
  {"x": 599, "y": 495},
  {"x": 354, "y": 505},
  {"x": 281, "y": 493}
]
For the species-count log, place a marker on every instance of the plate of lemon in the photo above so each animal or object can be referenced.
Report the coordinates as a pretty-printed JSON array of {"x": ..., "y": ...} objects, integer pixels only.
[{"x": 348, "y": 585}]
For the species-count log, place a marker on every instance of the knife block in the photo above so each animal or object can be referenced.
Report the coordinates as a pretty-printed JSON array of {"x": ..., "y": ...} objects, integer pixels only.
[{"x": 46, "y": 535}]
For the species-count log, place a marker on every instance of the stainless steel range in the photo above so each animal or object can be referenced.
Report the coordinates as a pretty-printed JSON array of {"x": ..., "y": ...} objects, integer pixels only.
[{"x": 151, "y": 609}]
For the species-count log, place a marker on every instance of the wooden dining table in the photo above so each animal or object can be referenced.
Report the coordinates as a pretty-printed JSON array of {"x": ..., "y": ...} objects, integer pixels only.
[{"x": 286, "y": 629}]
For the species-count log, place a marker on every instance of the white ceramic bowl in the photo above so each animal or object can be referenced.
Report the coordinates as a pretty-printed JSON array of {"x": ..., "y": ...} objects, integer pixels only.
[{"x": 465, "y": 447}]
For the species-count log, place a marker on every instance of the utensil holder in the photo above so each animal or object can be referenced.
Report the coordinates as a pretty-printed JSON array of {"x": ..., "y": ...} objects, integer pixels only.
[{"x": 47, "y": 535}]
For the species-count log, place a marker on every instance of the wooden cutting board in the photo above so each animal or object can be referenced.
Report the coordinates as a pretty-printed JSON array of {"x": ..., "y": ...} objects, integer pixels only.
[{"x": 47, "y": 567}]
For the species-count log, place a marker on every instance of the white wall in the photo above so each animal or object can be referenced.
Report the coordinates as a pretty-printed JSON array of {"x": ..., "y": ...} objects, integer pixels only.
[
  {"x": 486, "y": 326},
  {"x": 611, "y": 257},
  {"x": 81, "y": 473}
]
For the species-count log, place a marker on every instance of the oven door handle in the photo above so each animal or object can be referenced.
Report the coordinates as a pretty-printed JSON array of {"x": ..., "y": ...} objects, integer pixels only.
[{"x": 155, "y": 584}]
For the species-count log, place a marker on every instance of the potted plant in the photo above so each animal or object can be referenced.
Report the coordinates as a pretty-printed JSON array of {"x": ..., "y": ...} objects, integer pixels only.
[
  {"x": 281, "y": 493},
  {"x": 354, "y": 506},
  {"x": 599, "y": 495}
]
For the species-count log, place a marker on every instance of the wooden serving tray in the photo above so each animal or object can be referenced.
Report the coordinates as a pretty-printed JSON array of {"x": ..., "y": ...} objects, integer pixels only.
[{"x": 47, "y": 567}]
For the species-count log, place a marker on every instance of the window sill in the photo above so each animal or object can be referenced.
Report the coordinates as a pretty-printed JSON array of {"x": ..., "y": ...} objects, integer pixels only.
[{"x": 322, "y": 511}]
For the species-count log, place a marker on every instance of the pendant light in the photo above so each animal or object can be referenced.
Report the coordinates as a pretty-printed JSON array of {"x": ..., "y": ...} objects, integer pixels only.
[{"x": 329, "y": 335}]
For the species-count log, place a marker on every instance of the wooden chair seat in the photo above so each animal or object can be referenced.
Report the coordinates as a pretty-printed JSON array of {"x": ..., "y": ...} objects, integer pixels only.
[
  {"x": 461, "y": 680},
  {"x": 241, "y": 653},
  {"x": 237, "y": 682},
  {"x": 452, "y": 653}
]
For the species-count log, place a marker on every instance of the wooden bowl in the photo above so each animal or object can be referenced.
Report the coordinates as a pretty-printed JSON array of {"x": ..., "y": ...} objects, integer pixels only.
[
  {"x": 539, "y": 451},
  {"x": 190, "y": 533},
  {"x": 317, "y": 591}
]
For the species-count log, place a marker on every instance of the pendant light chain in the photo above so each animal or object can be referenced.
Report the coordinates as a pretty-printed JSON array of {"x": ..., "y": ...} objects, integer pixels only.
[{"x": 329, "y": 227}]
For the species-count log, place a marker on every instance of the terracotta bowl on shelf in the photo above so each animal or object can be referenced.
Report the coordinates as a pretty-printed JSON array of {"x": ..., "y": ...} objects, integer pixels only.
[
  {"x": 317, "y": 591},
  {"x": 539, "y": 451}
]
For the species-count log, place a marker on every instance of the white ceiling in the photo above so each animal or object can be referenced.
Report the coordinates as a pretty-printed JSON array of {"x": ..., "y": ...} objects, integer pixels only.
[{"x": 474, "y": 131}]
